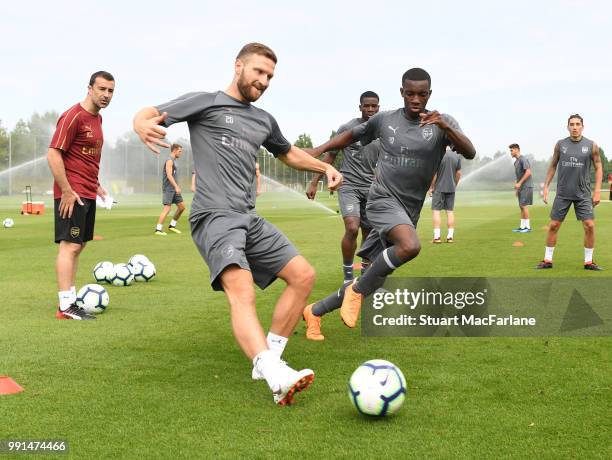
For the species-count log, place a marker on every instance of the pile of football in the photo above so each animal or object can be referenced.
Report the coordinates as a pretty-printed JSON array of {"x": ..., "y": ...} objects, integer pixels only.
[{"x": 139, "y": 268}]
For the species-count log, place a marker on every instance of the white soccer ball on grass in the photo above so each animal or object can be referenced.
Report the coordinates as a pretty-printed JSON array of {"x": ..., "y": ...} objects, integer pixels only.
[
  {"x": 378, "y": 388},
  {"x": 93, "y": 298},
  {"x": 122, "y": 275}
]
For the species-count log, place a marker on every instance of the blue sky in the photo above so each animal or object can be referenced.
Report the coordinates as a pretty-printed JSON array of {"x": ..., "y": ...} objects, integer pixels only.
[{"x": 508, "y": 72}]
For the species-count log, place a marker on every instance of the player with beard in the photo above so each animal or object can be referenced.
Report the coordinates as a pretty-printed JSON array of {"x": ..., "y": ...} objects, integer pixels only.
[
  {"x": 239, "y": 247},
  {"x": 413, "y": 141}
]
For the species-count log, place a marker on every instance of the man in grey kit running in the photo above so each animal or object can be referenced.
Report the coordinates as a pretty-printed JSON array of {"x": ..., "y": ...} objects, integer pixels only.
[
  {"x": 239, "y": 247},
  {"x": 413, "y": 141},
  {"x": 357, "y": 169},
  {"x": 442, "y": 192},
  {"x": 572, "y": 159}
]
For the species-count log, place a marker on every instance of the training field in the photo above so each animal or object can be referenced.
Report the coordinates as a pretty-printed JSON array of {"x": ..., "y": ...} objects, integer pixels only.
[{"x": 159, "y": 375}]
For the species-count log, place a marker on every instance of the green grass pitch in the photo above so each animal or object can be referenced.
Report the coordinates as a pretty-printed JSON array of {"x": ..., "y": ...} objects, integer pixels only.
[{"x": 159, "y": 374}]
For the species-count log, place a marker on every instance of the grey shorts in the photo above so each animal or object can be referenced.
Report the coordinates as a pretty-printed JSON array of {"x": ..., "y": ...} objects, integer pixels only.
[
  {"x": 227, "y": 238},
  {"x": 525, "y": 196},
  {"x": 171, "y": 197},
  {"x": 443, "y": 201},
  {"x": 384, "y": 215},
  {"x": 582, "y": 207},
  {"x": 352, "y": 202}
]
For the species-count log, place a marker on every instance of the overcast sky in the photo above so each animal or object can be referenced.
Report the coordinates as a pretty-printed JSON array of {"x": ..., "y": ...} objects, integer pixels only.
[{"x": 508, "y": 73}]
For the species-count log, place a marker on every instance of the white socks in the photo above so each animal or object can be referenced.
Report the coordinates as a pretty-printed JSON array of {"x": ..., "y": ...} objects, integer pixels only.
[
  {"x": 451, "y": 233},
  {"x": 436, "y": 233},
  {"x": 276, "y": 343},
  {"x": 66, "y": 298},
  {"x": 525, "y": 223},
  {"x": 173, "y": 223},
  {"x": 548, "y": 254},
  {"x": 159, "y": 227},
  {"x": 588, "y": 255}
]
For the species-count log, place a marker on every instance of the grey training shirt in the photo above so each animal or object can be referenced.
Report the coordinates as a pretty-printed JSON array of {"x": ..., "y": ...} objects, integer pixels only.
[
  {"x": 521, "y": 164},
  {"x": 445, "y": 180},
  {"x": 410, "y": 155},
  {"x": 225, "y": 137},
  {"x": 166, "y": 185},
  {"x": 358, "y": 161},
  {"x": 574, "y": 168}
]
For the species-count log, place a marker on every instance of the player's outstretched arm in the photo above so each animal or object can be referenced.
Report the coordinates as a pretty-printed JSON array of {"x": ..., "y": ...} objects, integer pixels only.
[
  {"x": 598, "y": 174},
  {"x": 551, "y": 172},
  {"x": 298, "y": 159},
  {"x": 338, "y": 142},
  {"x": 146, "y": 125}
]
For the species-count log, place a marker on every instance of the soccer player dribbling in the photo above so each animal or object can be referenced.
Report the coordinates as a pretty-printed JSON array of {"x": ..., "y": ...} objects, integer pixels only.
[
  {"x": 74, "y": 160},
  {"x": 239, "y": 247},
  {"x": 413, "y": 141},
  {"x": 572, "y": 158}
]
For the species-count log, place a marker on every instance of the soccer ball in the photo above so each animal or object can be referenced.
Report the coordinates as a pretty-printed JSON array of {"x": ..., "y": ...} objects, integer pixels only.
[
  {"x": 377, "y": 387},
  {"x": 103, "y": 272},
  {"x": 143, "y": 271},
  {"x": 122, "y": 275},
  {"x": 138, "y": 258},
  {"x": 8, "y": 222},
  {"x": 92, "y": 298}
]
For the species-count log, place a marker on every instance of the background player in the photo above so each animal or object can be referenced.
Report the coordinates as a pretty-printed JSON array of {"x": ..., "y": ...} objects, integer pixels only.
[
  {"x": 442, "y": 192},
  {"x": 171, "y": 192},
  {"x": 239, "y": 247},
  {"x": 358, "y": 163},
  {"x": 523, "y": 186},
  {"x": 413, "y": 141},
  {"x": 74, "y": 160},
  {"x": 572, "y": 159}
]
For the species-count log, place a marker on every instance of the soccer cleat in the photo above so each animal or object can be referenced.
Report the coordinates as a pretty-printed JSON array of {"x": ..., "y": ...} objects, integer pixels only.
[
  {"x": 174, "y": 230},
  {"x": 449, "y": 240},
  {"x": 73, "y": 312},
  {"x": 524, "y": 230},
  {"x": 517, "y": 230},
  {"x": 544, "y": 264},
  {"x": 313, "y": 324},
  {"x": 160, "y": 233},
  {"x": 593, "y": 266},
  {"x": 257, "y": 375},
  {"x": 292, "y": 382},
  {"x": 436, "y": 241},
  {"x": 351, "y": 306}
]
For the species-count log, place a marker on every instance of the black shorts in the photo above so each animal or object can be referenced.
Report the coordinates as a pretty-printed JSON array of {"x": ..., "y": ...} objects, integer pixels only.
[{"x": 80, "y": 227}]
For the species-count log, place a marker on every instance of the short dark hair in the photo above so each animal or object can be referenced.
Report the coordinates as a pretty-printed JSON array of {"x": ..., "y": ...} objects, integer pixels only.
[
  {"x": 100, "y": 73},
  {"x": 257, "y": 48},
  {"x": 368, "y": 94},
  {"x": 514, "y": 146},
  {"x": 416, "y": 74},
  {"x": 175, "y": 147},
  {"x": 575, "y": 116}
]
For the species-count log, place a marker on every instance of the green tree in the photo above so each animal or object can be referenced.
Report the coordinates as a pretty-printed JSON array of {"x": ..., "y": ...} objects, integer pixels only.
[
  {"x": 304, "y": 141},
  {"x": 4, "y": 141}
]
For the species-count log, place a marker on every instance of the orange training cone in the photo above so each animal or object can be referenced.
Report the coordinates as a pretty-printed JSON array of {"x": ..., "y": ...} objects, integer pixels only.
[{"x": 8, "y": 386}]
